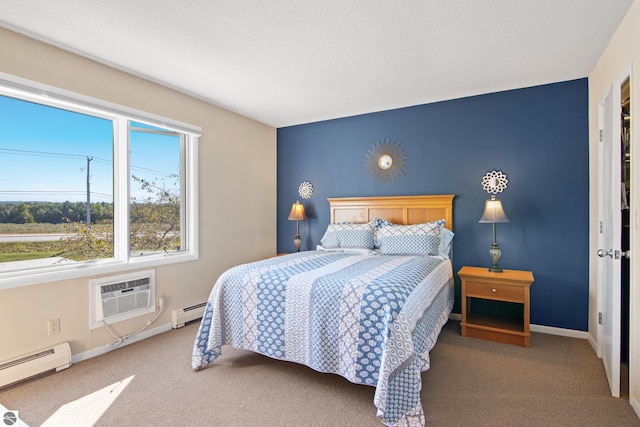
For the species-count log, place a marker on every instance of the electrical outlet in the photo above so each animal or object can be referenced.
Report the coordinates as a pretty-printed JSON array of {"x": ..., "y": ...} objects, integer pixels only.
[{"x": 54, "y": 326}]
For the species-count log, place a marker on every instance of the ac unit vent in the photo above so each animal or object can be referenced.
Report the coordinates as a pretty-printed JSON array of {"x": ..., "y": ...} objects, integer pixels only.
[{"x": 122, "y": 297}]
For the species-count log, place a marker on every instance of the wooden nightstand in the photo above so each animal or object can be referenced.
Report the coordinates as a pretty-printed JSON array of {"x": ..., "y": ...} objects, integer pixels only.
[{"x": 509, "y": 286}]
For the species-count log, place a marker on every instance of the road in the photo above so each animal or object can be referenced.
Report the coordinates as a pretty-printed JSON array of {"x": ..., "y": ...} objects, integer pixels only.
[{"x": 5, "y": 238}]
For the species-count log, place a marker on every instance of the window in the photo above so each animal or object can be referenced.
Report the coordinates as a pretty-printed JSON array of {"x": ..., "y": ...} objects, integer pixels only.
[
  {"x": 155, "y": 218},
  {"x": 88, "y": 187}
]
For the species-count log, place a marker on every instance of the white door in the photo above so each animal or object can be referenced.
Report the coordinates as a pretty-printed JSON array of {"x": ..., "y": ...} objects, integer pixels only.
[{"x": 609, "y": 238}]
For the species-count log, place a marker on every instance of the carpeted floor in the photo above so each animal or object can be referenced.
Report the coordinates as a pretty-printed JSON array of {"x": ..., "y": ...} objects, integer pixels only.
[{"x": 556, "y": 382}]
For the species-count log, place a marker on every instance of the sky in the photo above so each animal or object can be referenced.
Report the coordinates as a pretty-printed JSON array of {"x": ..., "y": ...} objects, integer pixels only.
[{"x": 44, "y": 151}]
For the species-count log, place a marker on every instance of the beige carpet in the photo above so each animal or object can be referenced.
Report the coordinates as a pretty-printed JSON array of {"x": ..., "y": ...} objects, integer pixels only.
[{"x": 556, "y": 382}]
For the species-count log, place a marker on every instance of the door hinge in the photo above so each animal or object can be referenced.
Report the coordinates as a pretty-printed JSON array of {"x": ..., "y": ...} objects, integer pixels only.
[
  {"x": 600, "y": 227},
  {"x": 600, "y": 135},
  {"x": 600, "y": 318}
]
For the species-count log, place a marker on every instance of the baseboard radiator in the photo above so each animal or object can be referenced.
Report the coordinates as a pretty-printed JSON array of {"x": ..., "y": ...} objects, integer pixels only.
[
  {"x": 21, "y": 368},
  {"x": 182, "y": 316}
]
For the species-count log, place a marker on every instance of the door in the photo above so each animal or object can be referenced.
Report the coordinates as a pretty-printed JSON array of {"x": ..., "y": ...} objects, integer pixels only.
[{"x": 609, "y": 208}]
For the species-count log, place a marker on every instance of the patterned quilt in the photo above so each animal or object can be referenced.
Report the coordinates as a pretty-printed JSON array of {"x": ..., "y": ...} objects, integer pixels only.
[{"x": 370, "y": 318}]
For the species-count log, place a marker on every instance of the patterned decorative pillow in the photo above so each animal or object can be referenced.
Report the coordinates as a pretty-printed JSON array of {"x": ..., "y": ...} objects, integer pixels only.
[
  {"x": 410, "y": 239},
  {"x": 348, "y": 235}
]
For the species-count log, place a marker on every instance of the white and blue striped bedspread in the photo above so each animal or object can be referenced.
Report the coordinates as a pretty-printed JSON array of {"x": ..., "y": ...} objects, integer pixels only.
[{"x": 371, "y": 318}]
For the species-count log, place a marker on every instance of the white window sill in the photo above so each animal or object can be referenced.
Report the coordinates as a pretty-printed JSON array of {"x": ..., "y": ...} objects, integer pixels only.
[{"x": 15, "y": 279}]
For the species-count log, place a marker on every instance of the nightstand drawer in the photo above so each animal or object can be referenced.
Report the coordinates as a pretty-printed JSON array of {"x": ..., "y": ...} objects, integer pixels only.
[{"x": 494, "y": 292}]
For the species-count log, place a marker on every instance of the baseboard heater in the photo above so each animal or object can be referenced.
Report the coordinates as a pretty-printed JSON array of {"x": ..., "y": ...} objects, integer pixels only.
[
  {"x": 182, "y": 316},
  {"x": 21, "y": 368}
]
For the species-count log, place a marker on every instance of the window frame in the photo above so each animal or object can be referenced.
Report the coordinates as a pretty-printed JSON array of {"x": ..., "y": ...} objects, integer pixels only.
[{"x": 120, "y": 116}]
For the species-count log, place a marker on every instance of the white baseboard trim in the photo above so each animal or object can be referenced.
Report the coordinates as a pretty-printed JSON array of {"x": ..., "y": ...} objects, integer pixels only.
[
  {"x": 594, "y": 344},
  {"x": 571, "y": 333},
  {"x": 103, "y": 349},
  {"x": 635, "y": 405}
]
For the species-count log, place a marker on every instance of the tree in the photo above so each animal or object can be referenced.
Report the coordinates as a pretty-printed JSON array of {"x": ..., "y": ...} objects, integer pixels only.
[
  {"x": 20, "y": 214},
  {"x": 155, "y": 220},
  {"x": 154, "y": 225},
  {"x": 85, "y": 243}
]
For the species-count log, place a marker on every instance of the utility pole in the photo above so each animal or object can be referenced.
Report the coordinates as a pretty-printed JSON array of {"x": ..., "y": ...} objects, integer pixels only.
[{"x": 89, "y": 191}]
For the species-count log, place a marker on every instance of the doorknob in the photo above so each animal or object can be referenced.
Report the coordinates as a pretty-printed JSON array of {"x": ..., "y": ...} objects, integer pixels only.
[{"x": 602, "y": 253}]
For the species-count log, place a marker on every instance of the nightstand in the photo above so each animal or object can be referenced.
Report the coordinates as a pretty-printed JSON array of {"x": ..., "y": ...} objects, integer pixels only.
[{"x": 510, "y": 286}]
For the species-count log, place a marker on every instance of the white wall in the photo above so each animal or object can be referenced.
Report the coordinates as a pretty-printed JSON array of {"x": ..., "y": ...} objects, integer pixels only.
[
  {"x": 622, "y": 51},
  {"x": 237, "y": 195}
]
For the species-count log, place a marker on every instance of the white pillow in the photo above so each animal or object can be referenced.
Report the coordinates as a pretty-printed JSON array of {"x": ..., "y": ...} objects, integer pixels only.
[{"x": 446, "y": 236}]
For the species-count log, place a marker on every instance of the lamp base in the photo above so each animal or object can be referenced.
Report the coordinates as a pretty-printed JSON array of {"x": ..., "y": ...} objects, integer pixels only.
[
  {"x": 297, "y": 242},
  {"x": 495, "y": 253}
]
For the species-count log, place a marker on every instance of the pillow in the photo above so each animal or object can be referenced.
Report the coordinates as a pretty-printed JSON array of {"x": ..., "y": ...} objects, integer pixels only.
[
  {"x": 348, "y": 235},
  {"x": 446, "y": 236},
  {"x": 410, "y": 239}
]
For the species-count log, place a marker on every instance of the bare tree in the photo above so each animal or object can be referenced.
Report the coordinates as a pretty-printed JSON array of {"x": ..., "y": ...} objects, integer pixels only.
[{"x": 154, "y": 225}]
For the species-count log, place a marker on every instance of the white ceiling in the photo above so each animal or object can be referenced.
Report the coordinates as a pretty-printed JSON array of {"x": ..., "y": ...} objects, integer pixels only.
[{"x": 288, "y": 62}]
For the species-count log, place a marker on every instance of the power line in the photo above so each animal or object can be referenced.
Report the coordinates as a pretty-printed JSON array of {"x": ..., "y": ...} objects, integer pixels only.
[
  {"x": 151, "y": 170},
  {"x": 45, "y": 153},
  {"x": 54, "y": 192},
  {"x": 74, "y": 156}
]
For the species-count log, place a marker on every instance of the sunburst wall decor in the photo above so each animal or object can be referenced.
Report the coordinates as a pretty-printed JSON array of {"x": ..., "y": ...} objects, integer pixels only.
[
  {"x": 494, "y": 182},
  {"x": 386, "y": 160},
  {"x": 305, "y": 190}
]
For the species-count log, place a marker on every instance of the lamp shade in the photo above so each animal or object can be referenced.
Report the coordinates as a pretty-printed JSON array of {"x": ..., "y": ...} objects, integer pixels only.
[
  {"x": 493, "y": 212},
  {"x": 297, "y": 212}
]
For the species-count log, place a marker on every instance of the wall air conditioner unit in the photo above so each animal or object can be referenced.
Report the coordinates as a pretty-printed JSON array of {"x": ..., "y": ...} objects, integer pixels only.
[
  {"x": 117, "y": 298},
  {"x": 21, "y": 368},
  {"x": 181, "y": 316}
]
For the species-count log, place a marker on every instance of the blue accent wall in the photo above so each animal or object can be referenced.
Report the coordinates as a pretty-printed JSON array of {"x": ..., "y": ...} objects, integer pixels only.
[{"x": 537, "y": 136}]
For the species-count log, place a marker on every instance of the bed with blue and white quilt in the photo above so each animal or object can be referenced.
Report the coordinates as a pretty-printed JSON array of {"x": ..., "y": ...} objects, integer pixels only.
[{"x": 369, "y": 315}]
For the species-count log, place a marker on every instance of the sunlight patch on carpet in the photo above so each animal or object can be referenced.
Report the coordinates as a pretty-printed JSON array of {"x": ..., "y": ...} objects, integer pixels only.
[{"x": 87, "y": 410}]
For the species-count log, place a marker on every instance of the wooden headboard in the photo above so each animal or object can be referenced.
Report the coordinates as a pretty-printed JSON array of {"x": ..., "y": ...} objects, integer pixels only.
[{"x": 397, "y": 209}]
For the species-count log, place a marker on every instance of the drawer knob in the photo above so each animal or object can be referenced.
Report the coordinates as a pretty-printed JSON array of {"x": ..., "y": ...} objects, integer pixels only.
[{"x": 494, "y": 290}]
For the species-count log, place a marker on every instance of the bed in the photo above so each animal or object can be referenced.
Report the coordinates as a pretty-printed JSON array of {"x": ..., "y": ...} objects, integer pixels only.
[{"x": 368, "y": 310}]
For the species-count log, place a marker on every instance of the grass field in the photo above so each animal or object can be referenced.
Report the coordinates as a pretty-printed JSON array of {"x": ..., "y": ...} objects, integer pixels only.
[
  {"x": 20, "y": 251},
  {"x": 33, "y": 228}
]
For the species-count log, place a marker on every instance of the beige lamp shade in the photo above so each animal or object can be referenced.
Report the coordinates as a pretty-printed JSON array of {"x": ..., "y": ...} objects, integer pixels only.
[
  {"x": 493, "y": 212},
  {"x": 297, "y": 212}
]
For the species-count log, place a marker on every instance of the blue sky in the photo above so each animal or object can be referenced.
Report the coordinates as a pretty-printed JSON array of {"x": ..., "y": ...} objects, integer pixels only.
[{"x": 44, "y": 150}]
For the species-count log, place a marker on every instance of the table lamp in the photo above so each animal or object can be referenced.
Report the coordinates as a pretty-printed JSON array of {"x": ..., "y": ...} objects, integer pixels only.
[{"x": 297, "y": 214}]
